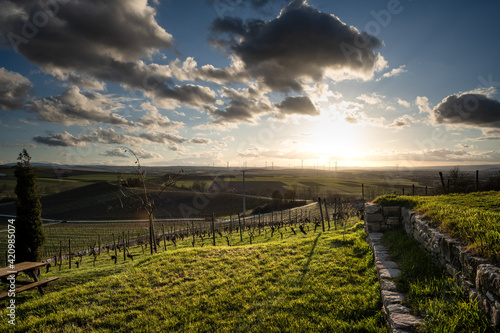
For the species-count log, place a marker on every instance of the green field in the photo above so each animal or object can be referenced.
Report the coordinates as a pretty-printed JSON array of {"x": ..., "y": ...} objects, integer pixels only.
[
  {"x": 52, "y": 180},
  {"x": 323, "y": 186},
  {"x": 472, "y": 218},
  {"x": 321, "y": 282}
]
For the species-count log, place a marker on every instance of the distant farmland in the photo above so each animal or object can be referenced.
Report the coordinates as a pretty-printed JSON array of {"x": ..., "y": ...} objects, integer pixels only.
[
  {"x": 92, "y": 194},
  {"x": 104, "y": 201}
]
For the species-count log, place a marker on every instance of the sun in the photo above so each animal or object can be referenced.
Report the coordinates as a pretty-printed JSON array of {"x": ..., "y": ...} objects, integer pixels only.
[{"x": 332, "y": 137}]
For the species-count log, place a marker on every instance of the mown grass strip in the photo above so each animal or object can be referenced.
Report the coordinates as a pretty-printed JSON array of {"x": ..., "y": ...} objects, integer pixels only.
[
  {"x": 432, "y": 294},
  {"x": 319, "y": 282},
  {"x": 472, "y": 218}
]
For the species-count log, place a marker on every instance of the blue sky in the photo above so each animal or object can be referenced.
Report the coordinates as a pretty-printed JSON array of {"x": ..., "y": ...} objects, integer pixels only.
[{"x": 211, "y": 82}]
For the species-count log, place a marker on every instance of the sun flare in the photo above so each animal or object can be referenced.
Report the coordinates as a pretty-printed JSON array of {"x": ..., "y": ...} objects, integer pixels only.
[{"x": 332, "y": 137}]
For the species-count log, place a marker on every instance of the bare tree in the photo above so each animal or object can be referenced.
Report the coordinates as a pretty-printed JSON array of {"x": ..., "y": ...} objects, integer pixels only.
[
  {"x": 148, "y": 199},
  {"x": 460, "y": 181}
]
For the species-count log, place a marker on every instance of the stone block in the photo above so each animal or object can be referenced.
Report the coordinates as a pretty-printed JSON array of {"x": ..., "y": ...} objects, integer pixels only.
[
  {"x": 376, "y": 217},
  {"x": 397, "y": 308},
  {"x": 372, "y": 209},
  {"x": 391, "y": 273},
  {"x": 373, "y": 227},
  {"x": 386, "y": 284},
  {"x": 451, "y": 270},
  {"x": 392, "y": 211},
  {"x": 382, "y": 264},
  {"x": 393, "y": 221},
  {"x": 470, "y": 264},
  {"x": 404, "y": 321},
  {"x": 392, "y": 297},
  {"x": 445, "y": 248},
  {"x": 488, "y": 279},
  {"x": 376, "y": 236}
]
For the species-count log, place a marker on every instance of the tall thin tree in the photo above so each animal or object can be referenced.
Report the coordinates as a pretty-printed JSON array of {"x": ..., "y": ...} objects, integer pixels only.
[{"x": 30, "y": 235}]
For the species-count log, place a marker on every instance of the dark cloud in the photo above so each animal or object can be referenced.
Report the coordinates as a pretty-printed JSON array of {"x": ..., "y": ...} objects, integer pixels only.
[
  {"x": 300, "y": 42},
  {"x": 200, "y": 141},
  {"x": 86, "y": 82},
  {"x": 241, "y": 110},
  {"x": 162, "y": 137},
  {"x": 73, "y": 107},
  {"x": 14, "y": 90},
  {"x": 63, "y": 139},
  {"x": 116, "y": 152},
  {"x": 403, "y": 121},
  {"x": 143, "y": 154},
  {"x": 301, "y": 105},
  {"x": 72, "y": 33},
  {"x": 468, "y": 109},
  {"x": 108, "y": 136},
  {"x": 104, "y": 39}
]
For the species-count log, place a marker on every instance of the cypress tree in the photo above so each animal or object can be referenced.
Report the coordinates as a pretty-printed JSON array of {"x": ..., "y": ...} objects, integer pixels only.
[{"x": 30, "y": 235}]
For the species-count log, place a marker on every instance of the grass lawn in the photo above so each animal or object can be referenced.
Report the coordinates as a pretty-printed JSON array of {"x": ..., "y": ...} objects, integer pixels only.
[
  {"x": 432, "y": 294},
  {"x": 472, "y": 218},
  {"x": 319, "y": 282}
]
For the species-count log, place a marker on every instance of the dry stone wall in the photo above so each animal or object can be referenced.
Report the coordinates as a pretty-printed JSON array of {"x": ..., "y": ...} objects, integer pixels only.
[{"x": 479, "y": 278}]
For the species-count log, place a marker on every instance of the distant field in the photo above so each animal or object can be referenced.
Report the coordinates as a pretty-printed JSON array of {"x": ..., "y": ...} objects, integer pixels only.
[
  {"x": 52, "y": 180},
  {"x": 339, "y": 186},
  {"x": 104, "y": 201}
]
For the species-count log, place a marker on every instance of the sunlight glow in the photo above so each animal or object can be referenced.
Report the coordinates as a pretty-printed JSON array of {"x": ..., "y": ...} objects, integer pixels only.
[{"x": 333, "y": 138}]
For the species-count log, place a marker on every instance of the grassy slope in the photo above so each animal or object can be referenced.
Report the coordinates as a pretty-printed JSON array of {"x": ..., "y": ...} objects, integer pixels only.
[
  {"x": 323, "y": 282},
  {"x": 473, "y": 218}
]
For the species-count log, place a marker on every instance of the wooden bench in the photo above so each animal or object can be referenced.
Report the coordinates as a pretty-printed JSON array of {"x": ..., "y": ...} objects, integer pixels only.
[
  {"x": 37, "y": 284},
  {"x": 10, "y": 273}
]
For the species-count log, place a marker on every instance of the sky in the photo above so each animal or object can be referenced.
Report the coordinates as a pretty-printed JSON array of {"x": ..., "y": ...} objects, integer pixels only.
[{"x": 250, "y": 83}]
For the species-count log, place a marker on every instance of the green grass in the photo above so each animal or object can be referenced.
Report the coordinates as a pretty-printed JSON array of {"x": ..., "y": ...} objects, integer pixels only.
[
  {"x": 320, "y": 282},
  {"x": 472, "y": 218},
  {"x": 432, "y": 294}
]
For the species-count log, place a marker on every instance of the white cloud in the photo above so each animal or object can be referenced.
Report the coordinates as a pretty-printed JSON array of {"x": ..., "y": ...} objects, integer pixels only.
[
  {"x": 422, "y": 103},
  {"x": 404, "y": 103},
  {"x": 393, "y": 72},
  {"x": 371, "y": 99}
]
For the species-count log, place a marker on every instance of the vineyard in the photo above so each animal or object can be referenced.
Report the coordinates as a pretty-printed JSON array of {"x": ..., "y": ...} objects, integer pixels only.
[{"x": 66, "y": 239}]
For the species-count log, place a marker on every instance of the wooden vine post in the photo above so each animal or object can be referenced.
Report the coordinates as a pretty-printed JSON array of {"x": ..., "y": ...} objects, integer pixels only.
[
  {"x": 114, "y": 245},
  {"x": 213, "y": 229},
  {"x": 192, "y": 228},
  {"x": 60, "y": 254},
  {"x": 321, "y": 212},
  {"x": 326, "y": 213},
  {"x": 239, "y": 225},
  {"x": 164, "y": 241},
  {"x": 69, "y": 252},
  {"x": 124, "y": 248}
]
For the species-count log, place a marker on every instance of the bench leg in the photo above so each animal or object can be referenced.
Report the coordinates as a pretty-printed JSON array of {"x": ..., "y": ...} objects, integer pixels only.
[
  {"x": 40, "y": 289},
  {"x": 35, "y": 277}
]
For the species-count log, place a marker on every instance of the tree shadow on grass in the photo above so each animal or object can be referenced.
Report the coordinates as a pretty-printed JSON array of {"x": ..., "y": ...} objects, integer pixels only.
[{"x": 305, "y": 268}]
